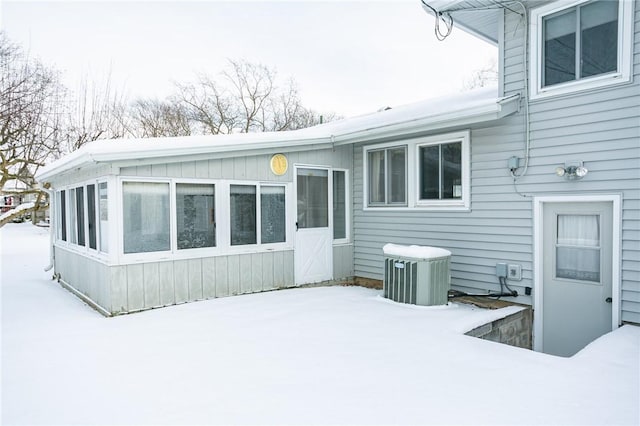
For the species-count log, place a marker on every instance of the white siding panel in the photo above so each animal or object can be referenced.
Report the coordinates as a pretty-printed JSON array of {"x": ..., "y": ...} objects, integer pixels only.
[
  {"x": 181, "y": 280},
  {"x": 151, "y": 285},
  {"x": 245, "y": 274},
  {"x": 118, "y": 281},
  {"x": 195, "y": 279},
  {"x": 267, "y": 271},
  {"x": 256, "y": 272},
  {"x": 222, "y": 283},
  {"x": 209, "y": 277},
  {"x": 135, "y": 287},
  {"x": 233, "y": 274},
  {"x": 166, "y": 283}
]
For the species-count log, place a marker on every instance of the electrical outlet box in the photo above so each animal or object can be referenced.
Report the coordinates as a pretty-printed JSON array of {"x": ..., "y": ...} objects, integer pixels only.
[
  {"x": 514, "y": 163},
  {"x": 514, "y": 272},
  {"x": 501, "y": 270}
]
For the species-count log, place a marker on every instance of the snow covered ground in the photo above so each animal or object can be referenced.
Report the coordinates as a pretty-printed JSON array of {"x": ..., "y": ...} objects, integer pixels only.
[{"x": 305, "y": 356}]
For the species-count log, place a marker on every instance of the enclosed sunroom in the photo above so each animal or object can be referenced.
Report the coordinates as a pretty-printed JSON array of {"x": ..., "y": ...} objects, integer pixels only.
[{"x": 139, "y": 224}]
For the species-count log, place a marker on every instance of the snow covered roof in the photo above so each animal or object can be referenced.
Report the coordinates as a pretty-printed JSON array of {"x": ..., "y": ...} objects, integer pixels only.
[{"x": 439, "y": 113}]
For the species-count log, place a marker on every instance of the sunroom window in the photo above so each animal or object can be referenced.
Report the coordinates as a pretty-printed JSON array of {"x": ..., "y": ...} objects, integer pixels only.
[
  {"x": 272, "y": 214},
  {"x": 195, "y": 211},
  {"x": 339, "y": 205},
  {"x": 245, "y": 216},
  {"x": 387, "y": 176},
  {"x": 580, "y": 47},
  {"x": 91, "y": 215},
  {"x": 146, "y": 217},
  {"x": 103, "y": 212},
  {"x": 62, "y": 202}
]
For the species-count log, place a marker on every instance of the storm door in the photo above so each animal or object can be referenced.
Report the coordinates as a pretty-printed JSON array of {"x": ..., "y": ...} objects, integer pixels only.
[{"x": 314, "y": 239}]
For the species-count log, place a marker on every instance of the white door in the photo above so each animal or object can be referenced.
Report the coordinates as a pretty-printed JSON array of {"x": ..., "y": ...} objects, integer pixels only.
[
  {"x": 577, "y": 275},
  {"x": 313, "y": 243}
]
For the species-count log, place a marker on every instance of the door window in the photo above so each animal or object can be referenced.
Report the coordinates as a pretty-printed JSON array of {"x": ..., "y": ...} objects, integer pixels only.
[
  {"x": 578, "y": 247},
  {"x": 313, "y": 198}
]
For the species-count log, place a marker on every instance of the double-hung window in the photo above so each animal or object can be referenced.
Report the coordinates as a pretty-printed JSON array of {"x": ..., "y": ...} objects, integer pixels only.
[
  {"x": 387, "y": 176},
  {"x": 585, "y": 45}
]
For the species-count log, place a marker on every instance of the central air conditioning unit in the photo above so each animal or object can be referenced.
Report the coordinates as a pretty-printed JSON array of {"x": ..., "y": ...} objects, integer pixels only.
[{"x": 418, "y": 275}]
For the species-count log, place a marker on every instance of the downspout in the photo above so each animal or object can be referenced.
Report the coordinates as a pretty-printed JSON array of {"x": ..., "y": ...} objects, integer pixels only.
[{"x": 51, "y": 229}]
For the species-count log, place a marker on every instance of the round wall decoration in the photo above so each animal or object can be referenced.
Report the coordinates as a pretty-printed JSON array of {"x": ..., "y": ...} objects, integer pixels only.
[{"x": 279, "y": 164}]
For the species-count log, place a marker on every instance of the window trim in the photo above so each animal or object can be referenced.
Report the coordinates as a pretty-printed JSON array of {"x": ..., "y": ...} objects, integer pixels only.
[
  {"x": 463, "y": 139},
  {"x": 223, "y": 223},
  {"x": 347, "y": 209},
  {"x": 413, "y": 168},
  {"x": 386, "y": 147},
  {"x": 70, "y": 207},
  {"x": 625, "y": 54}
]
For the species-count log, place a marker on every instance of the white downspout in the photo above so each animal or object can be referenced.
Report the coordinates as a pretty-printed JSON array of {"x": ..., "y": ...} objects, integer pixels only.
[{"x": 52, "y": 229}]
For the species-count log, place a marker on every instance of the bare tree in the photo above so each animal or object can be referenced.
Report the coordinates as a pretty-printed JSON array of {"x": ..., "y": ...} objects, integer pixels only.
[
  {"x": 153, "y": 118},
  {"x": 30, "y": 120},
  {"x": 98, "y": 111},
  {"x": 482, "y": 77},
  {"x": 244, "y": 98}
]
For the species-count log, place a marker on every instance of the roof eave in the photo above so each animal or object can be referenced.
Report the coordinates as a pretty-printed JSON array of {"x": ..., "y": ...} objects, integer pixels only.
[
  {"x": 87, "y": 158},
  {"x": 464, "y": 117}
]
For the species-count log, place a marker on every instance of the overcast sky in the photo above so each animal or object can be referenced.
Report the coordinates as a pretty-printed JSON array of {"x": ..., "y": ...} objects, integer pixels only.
[{"x": 350, "y": 57}]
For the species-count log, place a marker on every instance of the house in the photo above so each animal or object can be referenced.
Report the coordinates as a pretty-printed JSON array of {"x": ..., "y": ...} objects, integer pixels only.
[{"x": 541, "y": 173}]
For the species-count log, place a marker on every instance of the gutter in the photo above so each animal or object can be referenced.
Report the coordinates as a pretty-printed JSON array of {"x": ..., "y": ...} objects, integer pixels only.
[{"x": 494, "y": 111}]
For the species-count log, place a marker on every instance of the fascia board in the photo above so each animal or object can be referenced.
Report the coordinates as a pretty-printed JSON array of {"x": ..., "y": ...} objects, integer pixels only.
[
  {"x": 86, "y": 156},
  {"x": 492, "y": 111},
  {"x": 231, "y": 148}
]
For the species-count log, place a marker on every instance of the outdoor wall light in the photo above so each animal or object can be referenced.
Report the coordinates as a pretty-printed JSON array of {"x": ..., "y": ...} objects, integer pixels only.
[{"x": 573, "y": 170}]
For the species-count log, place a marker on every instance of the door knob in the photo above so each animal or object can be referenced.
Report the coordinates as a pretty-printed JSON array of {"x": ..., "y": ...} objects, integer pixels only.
[{"x": 608, "y": 300}]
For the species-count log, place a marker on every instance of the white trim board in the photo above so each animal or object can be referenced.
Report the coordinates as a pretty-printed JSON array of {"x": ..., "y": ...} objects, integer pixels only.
[{"x": 538, "y": 204}]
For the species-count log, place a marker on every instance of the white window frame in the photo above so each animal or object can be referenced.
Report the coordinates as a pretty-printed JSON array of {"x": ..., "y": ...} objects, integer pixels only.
[
  {"x": 174, "y": 216},
  {"x": 385, "y": 147},
  {"x": 223, "y": 224},
  {"x": 99, "y": 235},
  {"x": 465, "y": 164},
  {"x": 413, "y": 167},
  {"x": 625, "y": 53},
  {"x": 347, "y": 210},
  {"x": 146, "y": 256},
  {"x": 70, "y": 205}
]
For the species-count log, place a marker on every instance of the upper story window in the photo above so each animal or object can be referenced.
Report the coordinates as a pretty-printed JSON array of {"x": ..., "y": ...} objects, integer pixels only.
[{"x": 583, "y": 46}]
